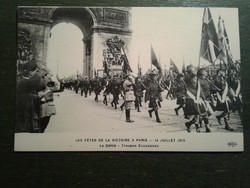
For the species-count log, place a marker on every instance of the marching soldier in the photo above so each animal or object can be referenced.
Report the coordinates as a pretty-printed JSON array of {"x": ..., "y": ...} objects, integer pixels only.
[
  {"x": 85, "y": 87},
  {"x": 181, "y": 93},
  {"x": 129, "y": 96},
  {"x": 153, "y": 95},
  {"x": 206, "y": 88},
  {"x": 191, "y": 106},
  {"x": 115, "y": 90},
  {"x": 106, "y": 83},
  {"x": 223, "y": 101},
  {"x": 77, "y": 84},
  {"x": 139, "y": 88},
  {"x": 234, "y": 91}
]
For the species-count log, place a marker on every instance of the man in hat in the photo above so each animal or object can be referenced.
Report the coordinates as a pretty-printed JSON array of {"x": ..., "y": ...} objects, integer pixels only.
[
  {"x": 129, "y": 96},
  {"x": 235, "y": 91},
  {"x": 139, "y": 88},
  {"x": 27, "y": 98},
  {"x": 206, "y": 88},
  {"x": 24, "y": 99},
  {"x": 223, "y": 101},
  {"x": 181, "y": 93},
  {"x": 191, "y": 107},
  {"x": 153, "y": 95},
  {"x": 114, "y": 86},
  {"x": 85, "y": 87}
]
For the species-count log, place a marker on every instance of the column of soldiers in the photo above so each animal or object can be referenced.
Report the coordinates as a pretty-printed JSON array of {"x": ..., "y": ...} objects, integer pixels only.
[{"x": 198, "y": 94}]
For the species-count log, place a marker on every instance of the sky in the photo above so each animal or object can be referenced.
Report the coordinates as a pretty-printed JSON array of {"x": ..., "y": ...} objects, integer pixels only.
[
  {"x": 176, "y": 33},
  {"x": 65, "y": 50},
  {"x": 173, "y": 32}
]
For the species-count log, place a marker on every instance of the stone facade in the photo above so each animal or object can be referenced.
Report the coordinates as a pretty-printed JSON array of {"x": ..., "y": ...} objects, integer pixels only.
[{"x": 97, "y": 25}]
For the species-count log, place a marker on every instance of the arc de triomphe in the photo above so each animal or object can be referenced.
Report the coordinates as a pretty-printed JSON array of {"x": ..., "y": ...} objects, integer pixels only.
[{"x": 97, "y": 25}]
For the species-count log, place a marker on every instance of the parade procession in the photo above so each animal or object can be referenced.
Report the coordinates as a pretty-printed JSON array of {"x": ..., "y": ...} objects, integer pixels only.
[{"x": 198, "y": 97}]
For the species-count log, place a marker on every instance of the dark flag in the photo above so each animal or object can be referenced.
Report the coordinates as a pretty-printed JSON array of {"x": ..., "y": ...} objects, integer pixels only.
[
  {"x": 232, "y": 64},
  {"x": 139, "y": 70},
  {"x": 209, "y": 48},
  {"x": 183, "y": 68},
  {"x": 105, "y": 67},
  {"x": 226, "y": 56},
  {"x": 225, "y": 33},
  {"x": 126, "y": 67},
  {"x": 95, "y": 72},
  {"x": 154, "y": 60},
  {"x": 173, "y": 67}
]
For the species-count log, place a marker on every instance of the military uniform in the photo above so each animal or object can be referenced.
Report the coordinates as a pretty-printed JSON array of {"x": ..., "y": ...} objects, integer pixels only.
[
  {"x": 192, "y": 106},
  {"x": 223, "y": 101},
  {"x": 205, "y": 95},
  {"x": 234, "y": 92},
  {"x": 139, "y": 88},
  {"x": 85, "y": 87},
  {"x": 181, "y": 93},
  {"x": 115, "y": 91},
  {"x": 154, "y": 96},
  {"x": 128, "y": 96}
]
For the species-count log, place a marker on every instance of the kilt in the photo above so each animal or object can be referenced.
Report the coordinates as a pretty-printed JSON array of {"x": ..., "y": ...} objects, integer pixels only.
[
  {"x": 190, "y": 108},
  {"x": 180, "y": 100},
  {"x": 225, "y": 106},
  {"x": 236, "y": 104},
  {"x": 153, "y": 104}
]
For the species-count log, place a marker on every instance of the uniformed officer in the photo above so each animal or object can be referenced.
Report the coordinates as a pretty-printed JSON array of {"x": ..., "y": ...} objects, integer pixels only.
[
  {"x": 191, "y": 106},
  {"x": 153, "y": 95},
  {"x": 223, "y": 101},
  {"x": 205, "y": 87},
  {"x": 181, "y": 93},
  {"x": 128, "y": 96},
  {"x": 139, "y": 88}
]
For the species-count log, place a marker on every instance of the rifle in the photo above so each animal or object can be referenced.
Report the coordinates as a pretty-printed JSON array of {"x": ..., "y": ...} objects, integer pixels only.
[{"x": 213, "y": 84}]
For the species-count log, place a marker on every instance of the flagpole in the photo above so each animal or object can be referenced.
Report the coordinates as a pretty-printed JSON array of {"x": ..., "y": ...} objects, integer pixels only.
[
  {"x": 57, "y": 69},
  {"x": 201, "y": 37},
  {"x": 139, "y": 60},
  {"x": 199, "y": 60},
  {"x": 160, "y": 65},
  {"x": 151, "y": 56}
]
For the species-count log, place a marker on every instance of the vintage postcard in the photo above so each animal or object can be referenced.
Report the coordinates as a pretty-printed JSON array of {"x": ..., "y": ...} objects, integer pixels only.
[{"x": 128, "y": 79}]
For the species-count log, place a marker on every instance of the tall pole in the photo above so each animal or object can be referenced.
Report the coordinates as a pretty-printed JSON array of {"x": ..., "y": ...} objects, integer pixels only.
[
  {"x": 57, "y": 69},
  {"x": 197, "y": 92}
]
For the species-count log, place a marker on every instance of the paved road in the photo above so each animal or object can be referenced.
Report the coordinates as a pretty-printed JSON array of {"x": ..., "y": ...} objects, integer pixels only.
[{"x": 78, "y": 114}]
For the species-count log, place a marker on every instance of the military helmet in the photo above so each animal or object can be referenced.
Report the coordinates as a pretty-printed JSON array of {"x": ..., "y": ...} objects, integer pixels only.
[
  {"x": 180, "y": 75},
  {"x": 202, "y": 72},
  {"x": 191, "y": 70}
]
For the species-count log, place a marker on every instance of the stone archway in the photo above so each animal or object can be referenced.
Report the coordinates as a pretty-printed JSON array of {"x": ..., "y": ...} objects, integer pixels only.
[{"x": 97, "y": 25}]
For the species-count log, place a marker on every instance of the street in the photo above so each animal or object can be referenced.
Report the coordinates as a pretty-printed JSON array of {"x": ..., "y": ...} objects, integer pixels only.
[{"x": 76, "y": 114}]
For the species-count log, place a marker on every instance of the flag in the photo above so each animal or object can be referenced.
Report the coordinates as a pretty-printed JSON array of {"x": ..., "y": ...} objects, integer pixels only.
[
  {"x": 173, "y": 67},
  {"x": 105, "y": 67},
  {"x": 126, "y": 67},
  {"x": 225, "y": 33},
  {"x": 139, "y": 69},
  {"x": 183, "y": 68},
  {"x": 226, "y": 56},
  {"x": 154, "y": 60},
  {"x": 209, "y": 48},
  {"x": 95, "y": 73},
  {"x": 222, "y": 42}
]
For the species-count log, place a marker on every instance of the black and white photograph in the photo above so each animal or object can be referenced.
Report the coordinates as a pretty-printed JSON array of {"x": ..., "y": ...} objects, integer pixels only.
[{"x": 128, "y": 79}]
